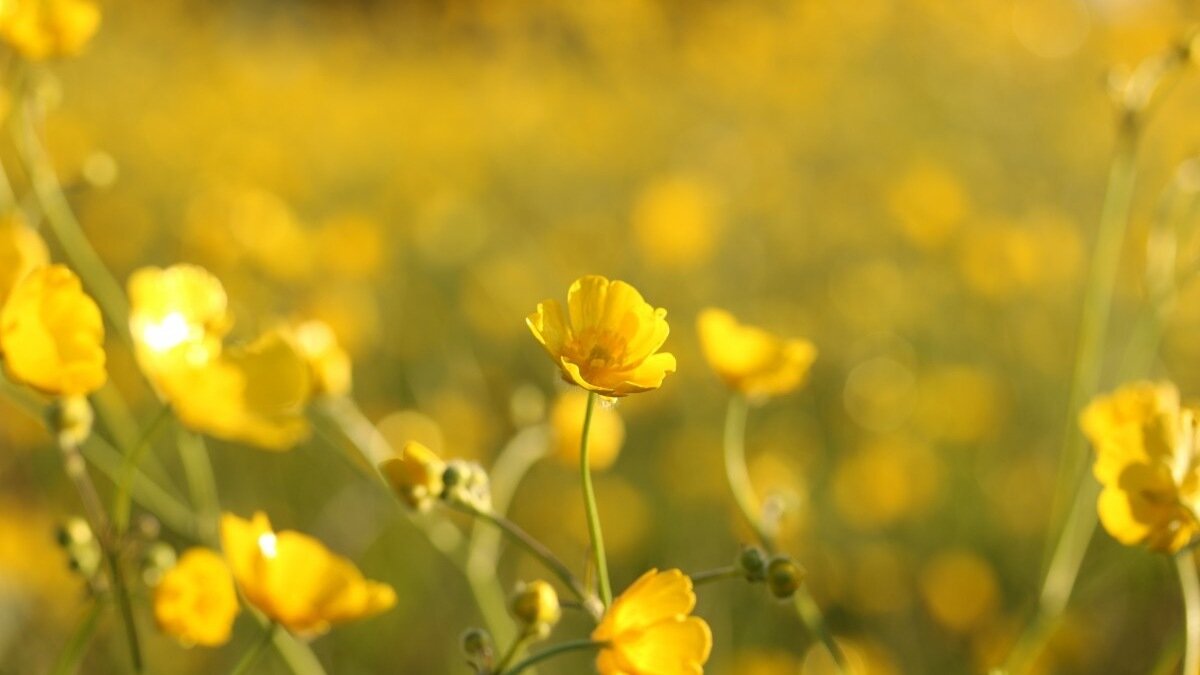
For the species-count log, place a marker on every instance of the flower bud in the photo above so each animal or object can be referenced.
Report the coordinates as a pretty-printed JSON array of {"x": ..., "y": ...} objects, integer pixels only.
[
  {"x": 82, "y": 548},
  {"x": 535, "y": 606},
  {"x": 467, "y": 484},
  {"x": 157, "y": 558},
  {"x": 478, "y": 648},
  {"x": 416, "y": 475},
  {"x": 784, "y": 576},
  {"x": 753, "y": 563},
  {"x": 70, "y": 420}
]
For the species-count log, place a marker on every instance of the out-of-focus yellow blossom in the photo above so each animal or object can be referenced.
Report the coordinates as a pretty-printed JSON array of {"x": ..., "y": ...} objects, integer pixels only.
[
  {"x": 254, "y": 394},
  {"x": 296, "y": 581},
  {"x": 232, "y": 226},
  {"x": 41, "y": 29},
  {"x": 195, "y": 601},
  {"x": 605, "y": 438},
  {"x": 21, "y": 252},
  {"x": 648, "y": 630},
  {"x": 52, "y": 334},
  {"x": 328, "y": 362},
  {"x": 960, "y": 590},
  {"x": 1146, "y": 459},
  {"x": 929, "y": 204},
  {"x": 608, "y": 340},
  {"x": 416, "y": 475},
  {"x": 751, "y": 360},
  {"x": 885, "y": 482},
  {"x": 675, "y": 222},
  {"x": 959, "y": 404},
  {"x": 178, "y": 317}
]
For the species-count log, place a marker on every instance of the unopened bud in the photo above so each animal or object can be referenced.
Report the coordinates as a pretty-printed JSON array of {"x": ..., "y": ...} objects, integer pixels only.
[
  {"x": 784, "y": 577},
  {"x": 466, "y": 483},
  {"x": 753, "y": 563},
  {"x": 535, "y": 606},
  {"x": 70, "y": 420},
  {"x": 478, "y": 647},
  {"x": 81, "y": 546},
  {"x": 415, "y": 475}
]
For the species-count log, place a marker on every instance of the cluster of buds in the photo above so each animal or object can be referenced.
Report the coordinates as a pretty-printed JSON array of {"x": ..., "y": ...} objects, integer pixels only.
[
  {"x": 84, "y": 554},
  {"x": 70, "y": 419},
  {"x": 420, "y": 478},
  {"x": 782, "y": 575}
]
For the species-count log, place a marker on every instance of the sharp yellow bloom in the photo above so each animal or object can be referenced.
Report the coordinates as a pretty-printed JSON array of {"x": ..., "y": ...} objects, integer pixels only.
[
  {"x": 21, "y": 252},
  {"x": 416, "y": 475},
  {"x": 605, "y": 438},
  {"x": 178, "y": 317},
  {"x": 41, "y": 29},
  {"x": 1147, "y": 461},
  {"x": 196, "y": 602},
  {"x": 52, "y": 334},
  {"x": 296, "y": 581},
  {"x": 608, "y": 339},
  {"x": 648, "y": 630},
  {"x": 751, "y": 360}
]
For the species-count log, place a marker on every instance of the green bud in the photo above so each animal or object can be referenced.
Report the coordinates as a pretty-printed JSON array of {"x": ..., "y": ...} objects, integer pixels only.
[
  {"x": 753, "y": 563},
  {"x": 784, "y": 576}
]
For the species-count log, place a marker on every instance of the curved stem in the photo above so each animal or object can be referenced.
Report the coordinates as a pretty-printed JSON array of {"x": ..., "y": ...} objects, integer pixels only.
[
  {"x": 550, "y": 652},
  {"x": 523, "y": 640},
  {"x": 255, "y": 653},
  {"x": 1189, "y": 586},
  {"x": 589, "y": 504}
]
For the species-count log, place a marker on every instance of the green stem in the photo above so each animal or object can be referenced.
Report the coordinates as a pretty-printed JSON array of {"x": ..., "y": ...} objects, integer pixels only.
[
  {"x": 255, "y": 652},
  {"x": 709, "y": 576},
  {"x": 521, "y": 642},
  {"x": 122, "y": 499},
  {"x": 550, "y": 652},
  {"x": 589, "y": 503},
  {"x": 736, "y": 471},
  {"x": 297, "y": 655},
  {"x": 201, "y": 482},
  {"x": 121, "y": 590},
  {"x": 1189, "y": 586},
  {"x": 72, "y": 654}
]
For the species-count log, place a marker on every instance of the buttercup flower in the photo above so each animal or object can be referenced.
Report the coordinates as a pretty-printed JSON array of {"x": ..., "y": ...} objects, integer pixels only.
[
  {"x": 648, "y": 630},
  {"x": 416, "y": 475},
  {"x": 52, "y": 335},
  {"x": 296, "y": 581},
  {"x": 21, "y": 252},
  {"x": 1146, "y": 460},
  {"x": 41, "y": 29},
  {"x": 195, "y": 601},
  {"x": 750, "y": 359},
  {"x": 329, "y": 363},
  {"x": 178, "y": 317},
  {"x": 605, "y": 438},
  {"x": 608, "y": 339},
  {"x": 535, "y": 606}
]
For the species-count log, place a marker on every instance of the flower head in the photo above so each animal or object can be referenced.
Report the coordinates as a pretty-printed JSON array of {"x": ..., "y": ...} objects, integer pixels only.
[
  {"x": 329, "y": 363},
  {"x": 52, "y": 334},
  {"x": 40, "y": 29},
  {"x": 535, "y": 606},
  {"x": 296, "y": 581},
  {"x": 178, "y": 317},
  {"x": 648, "y": 630},
  {"x": 1148, "y": 465},
  {"x": 605, "y": 438},
  {"x": 416, "y": 475},
  {"x": 751, "y": 360},
  {"x": 195, "y": 601},
  {"x": 608, "y": 339},
  {"x": 21, "y": 252}
]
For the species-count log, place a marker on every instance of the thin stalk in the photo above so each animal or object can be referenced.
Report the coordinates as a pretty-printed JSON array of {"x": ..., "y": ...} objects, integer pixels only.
[
  {"x": 719, "y": 574},
  {"x": 297, "y": 655},
  {"x": 550, "y": 652},
  {"x": 72, "y": 654},
  {"x": 122, "y": 499},
  {"x": 202, "y": 484},
  {"x": 589, "y": 504},
  {"x": 521, "y": 642},
  {"x": 255, "y": 652},
  {"x": 1189, "y": 587}
]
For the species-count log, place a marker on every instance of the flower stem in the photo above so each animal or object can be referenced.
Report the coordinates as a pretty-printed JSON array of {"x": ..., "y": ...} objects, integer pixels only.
[
  {"x": 1189, "y": 586},
  {"x": 718, "y": 574},
  {"x": 72, "y": 653},
  {"x": 523, "y": 640},
  {"x": 589, "y": 503},
  {"x": 122, "y": 499},
  {"x": 550, "y": 652},
  {"x": 255, "y": 653}
]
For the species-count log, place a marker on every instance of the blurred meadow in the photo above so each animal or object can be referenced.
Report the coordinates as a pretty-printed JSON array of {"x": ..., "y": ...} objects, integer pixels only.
[{"x": 914, "y": 187}]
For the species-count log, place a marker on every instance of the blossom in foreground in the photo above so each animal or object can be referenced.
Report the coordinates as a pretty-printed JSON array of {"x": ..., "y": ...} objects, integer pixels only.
[
  {"x": 751, "y": 360},
  {"x": 21, "y": 252},
  {"x": 178, "y": 317},
  {"x": 41, "y": 29},
  {"x": 1146, "y": 461},
  {"x": 607, "y": 339},
  {"x": 648, "y": 630},
  {"x": 296, "y": 581},
  {"x": 605, "y": 437},
  {"x": 195, "y": 602},
  {"x": 416, "y": 475},
  {"x": 52, "y": 334}
]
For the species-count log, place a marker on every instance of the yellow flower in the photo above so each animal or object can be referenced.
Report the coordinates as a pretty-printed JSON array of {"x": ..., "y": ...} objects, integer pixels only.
[
  {"x": 607, "y": 340},
  {"x": 648, "y": 630},
  {"x": 328, "y": 362},
  {"x": 606, "y": 435},
  {"x": 1146, "y": 460},
  {"x": 750, "y": 359},
  {"x": 52, "y": 335},
  {"x": 40, "y": 29},
  {"x": 296, "y": 581},
  {"x": 535, "y": 606},
  {"x": 416, "y": 475},
  {"x": 21, "y": 252},
  {"x": 253, "y": 394},
  {"x": 178, "y": 317},
  {"x": 196, "y": 602}
]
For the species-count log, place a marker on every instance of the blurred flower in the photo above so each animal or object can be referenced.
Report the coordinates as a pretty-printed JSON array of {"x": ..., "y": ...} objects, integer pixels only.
[
  {"x": 960, "y": 590},
  {"x": 195, "y": 602},
  {"x": 929, "y": 204},
  {"x": 607, "y": 341},
  {"x": 886, "y": 481},
  {"x": 40, "y": 29},
  {"x": 52, "y": 334},
  {"x": 606, "y": 435},
  {"x": 1146, "y": 460},
  {"x": 21, "y": 251},
  {"x": 296, "y": 581},
  {"x": 178, "y": 317},
  {"x": 535, "y": 606},
  {"x": 675, "y": 222},
  {"x": 416, "y": 475},
  {"x": 649, "y": 630},
  {"x": 751, "y": 360},
  {"x": 327, "y": 361}
]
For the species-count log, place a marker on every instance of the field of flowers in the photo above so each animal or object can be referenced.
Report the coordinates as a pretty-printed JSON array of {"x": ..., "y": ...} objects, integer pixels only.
[{"x": 638, "y": 337}]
